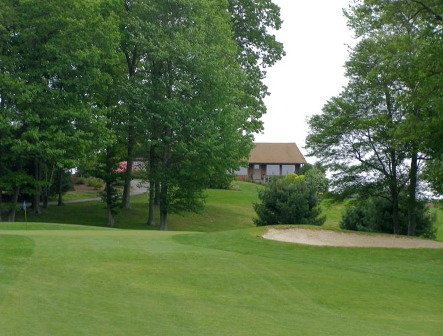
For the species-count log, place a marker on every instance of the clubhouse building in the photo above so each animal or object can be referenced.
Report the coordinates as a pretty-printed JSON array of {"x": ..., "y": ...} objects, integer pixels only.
[{"x": 271, "y": 159}]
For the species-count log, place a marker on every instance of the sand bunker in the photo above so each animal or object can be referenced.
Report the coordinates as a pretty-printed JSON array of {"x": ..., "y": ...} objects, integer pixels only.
[{"x": 332, "y": 238}]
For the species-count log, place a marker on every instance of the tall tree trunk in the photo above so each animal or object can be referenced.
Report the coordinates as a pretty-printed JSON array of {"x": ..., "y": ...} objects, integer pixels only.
[
  {"x": 45, "y": 193},
  {"x": 164, "y": 191},
  {"x": 111, "y": 222},
  {"x": 394, "y": 194},
  {"x": 128, "y": 174},
  {"x": 11, "y": 217},
  {"x": 412, "y": 197},
  {"x": 163, "y": 219},
  {"x": 164, "y": 208},
  {"x": 157, "y": 193},
  {"x": 60, "y": 187},
  {"x": 1, "y": 176},
  {"x": 165, "y": 164},
  {"x": 1, "y": 200},
  {"x": 151, "y": 216},
  {"x": 2, "y": 102},
  {"x": 45, "y": 201},
  {"x": 395, "y": 217},
  {"x": 109, "y": 189},
  {"x": 48, "y": 184},
  {"x": 152, "y": 185},
  {"x": 36, "y": 197},
  {"x": 132, "y": 58}
]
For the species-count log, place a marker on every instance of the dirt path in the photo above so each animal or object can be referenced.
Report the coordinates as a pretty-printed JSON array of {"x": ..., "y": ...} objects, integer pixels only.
[{"x": 332, "y": 238}]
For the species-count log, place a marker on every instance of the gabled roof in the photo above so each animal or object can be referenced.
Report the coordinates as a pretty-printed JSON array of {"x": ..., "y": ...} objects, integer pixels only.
[{"x": 277, "y": 153}]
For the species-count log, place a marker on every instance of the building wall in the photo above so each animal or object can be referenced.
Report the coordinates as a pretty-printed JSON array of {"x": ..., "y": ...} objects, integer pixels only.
[
  {"x": 243, "y": 171},
  {"x": 266, "y": 170}
]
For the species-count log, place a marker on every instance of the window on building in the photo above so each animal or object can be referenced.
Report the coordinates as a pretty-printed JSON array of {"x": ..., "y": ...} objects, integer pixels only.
[
  {"x": 273, "y": 170},
  {"x": 286, "y": 169}
]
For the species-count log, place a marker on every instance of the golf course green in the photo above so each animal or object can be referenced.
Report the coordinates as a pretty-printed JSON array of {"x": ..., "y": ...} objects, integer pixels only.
[{"x": 69, "y": 279}]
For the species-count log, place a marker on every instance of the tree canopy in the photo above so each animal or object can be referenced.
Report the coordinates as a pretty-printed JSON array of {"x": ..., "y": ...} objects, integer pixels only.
[
  {"x": 94, "y": 83},
  {"x": 374, "y": 136}
]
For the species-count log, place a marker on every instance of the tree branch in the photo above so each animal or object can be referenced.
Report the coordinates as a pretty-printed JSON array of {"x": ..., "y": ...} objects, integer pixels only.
[{"x": 429, "y": 10}]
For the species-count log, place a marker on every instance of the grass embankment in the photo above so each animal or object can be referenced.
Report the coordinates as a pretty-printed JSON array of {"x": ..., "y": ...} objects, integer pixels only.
[
  {"x": 114, "y": 282},
  {"x": 333, "y": 212},
  {"x": 82, "y": 194},
  {"x": 225, "y": 210}
]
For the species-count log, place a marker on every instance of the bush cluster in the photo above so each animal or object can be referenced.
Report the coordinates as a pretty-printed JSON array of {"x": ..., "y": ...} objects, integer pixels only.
[
  {"x": 221, "y": 181},
  {"x": 289, "y": 200},
  {"x": 94, "y": 182},
  {"x": 375, "y": 215}
]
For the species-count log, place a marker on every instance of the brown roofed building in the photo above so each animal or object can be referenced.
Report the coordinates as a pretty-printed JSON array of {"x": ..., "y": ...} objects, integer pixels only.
[{"x": 268, "y": 159}]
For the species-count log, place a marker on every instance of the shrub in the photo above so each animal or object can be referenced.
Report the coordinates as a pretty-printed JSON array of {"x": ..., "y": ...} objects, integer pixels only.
[
  {"x": 221, "y": 181},
  {"x": 294, "y": 178},
  {"x": 81, "y": 180},
  {"x": 140, "y": 174},
  {"x": 375, "y": 215},
  {"x": 288, "y": 201},
  {"x": 95, "y": 183},
  {"x": 316, "y": 179}
]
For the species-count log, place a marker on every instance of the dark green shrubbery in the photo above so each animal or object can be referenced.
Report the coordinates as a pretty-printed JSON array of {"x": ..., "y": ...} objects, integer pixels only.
[
  {"x": 96, "y": 183},
  {"x": 288, "y": 200},
  {"x": 67, "y": 184},
  {"x": 221, "y": 181},
  {"x": 375, "y": 215},
  {"x": 140, "y": 174}
]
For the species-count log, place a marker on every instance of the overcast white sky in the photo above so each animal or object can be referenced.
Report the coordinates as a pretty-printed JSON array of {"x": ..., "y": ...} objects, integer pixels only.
[{"x": 315, "y": 35}]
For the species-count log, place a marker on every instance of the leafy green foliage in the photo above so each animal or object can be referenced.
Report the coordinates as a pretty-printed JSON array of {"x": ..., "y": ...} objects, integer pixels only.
[
  {"x": 375, "y": 215},
  {"x": 95, "y": 183},
  {"x": 372, "y": 135},
  {"x": 433, "y": 173},
  {"x": 67, "y": 184},
  {"x": 183, "y": 77},
  {"x": 51, "y": 73},
  {"x": 221, "y": 180},
  {"x": 316, "y": 179},
  {"x": 288, "y": 201}
]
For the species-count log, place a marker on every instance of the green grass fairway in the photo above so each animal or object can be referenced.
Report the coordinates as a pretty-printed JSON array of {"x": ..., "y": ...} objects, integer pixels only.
[
  {"x": 225, "y": 210},
  {"x": 129, "y": 282}
]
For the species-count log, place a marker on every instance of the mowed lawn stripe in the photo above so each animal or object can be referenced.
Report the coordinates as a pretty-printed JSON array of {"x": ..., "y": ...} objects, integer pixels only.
[{"x": 132, "y": 282}]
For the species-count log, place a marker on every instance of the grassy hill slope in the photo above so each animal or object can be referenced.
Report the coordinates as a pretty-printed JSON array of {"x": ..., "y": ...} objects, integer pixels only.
[{"x": 225, "y": 210}]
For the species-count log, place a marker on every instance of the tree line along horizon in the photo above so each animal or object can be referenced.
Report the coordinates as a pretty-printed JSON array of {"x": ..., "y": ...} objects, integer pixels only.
[{"x": 180, "y": 83}]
